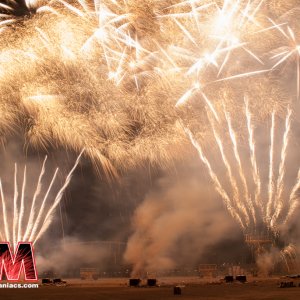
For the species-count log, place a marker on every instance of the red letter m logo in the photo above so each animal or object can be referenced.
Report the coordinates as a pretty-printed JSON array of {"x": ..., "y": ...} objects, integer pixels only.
[{"x": 13, "y": 265}]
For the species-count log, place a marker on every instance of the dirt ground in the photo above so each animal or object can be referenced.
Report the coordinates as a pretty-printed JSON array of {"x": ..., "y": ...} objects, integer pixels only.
[{"x": 115, "y": 289}]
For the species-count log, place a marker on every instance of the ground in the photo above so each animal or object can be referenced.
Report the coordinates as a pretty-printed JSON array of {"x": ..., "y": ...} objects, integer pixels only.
[{"x": 117, "y": 289}]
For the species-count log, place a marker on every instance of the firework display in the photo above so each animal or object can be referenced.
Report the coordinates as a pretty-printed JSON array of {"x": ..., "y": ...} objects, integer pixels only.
[
  {"x": 39, "y": 215},
  {"x": 116, "y": 76},
  {"x": 134, "y": 82},
  {"x": 255, "y": 215}
]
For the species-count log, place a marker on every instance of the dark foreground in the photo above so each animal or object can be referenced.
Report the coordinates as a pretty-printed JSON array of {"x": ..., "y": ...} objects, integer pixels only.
[{"x": 117, "y": 289}]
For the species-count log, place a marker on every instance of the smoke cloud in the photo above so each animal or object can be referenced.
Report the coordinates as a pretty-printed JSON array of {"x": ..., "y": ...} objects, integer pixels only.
[
  {"x": 175, "y": 221},
  {"x": 71, "y": 254}
]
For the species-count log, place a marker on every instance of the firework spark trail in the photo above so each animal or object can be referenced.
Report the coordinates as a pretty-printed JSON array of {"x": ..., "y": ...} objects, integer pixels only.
[
  {"x": 184, "y": 98},
  {"x": 211, "y": 107},
  {"x": 243, "y": 75},
  {"x": 49, "y": 215},
  {"x": 284, "y": 259},
  {"x": 293, "y": 200},
  {"x": 278, "y": 203},
  {"x": 42, "y": 207},
  {"x": 229, "y": 23},
  {"x": 198, "y": 63},
  {"x": 292, "y": 50},
  {"x": 241, "y": 171},
  {"x": 112, "y": 34},
  {"x": 227, "y": 28},
  {"x": 36, "y": 194},
  {"x": 243, "y": 205},
  {"x": 288, "y": 253},
  {"x": 111, "y": 37},
  {"x": 234, "y": 185},
  {"x": 4, "y": 213},
  {"x": 271, "y": 172},
  {"x": 298, "y": 73},
  {"x": 30, "y": 6},
  {"x": 232, "y": 180},
  {"x": 215, "y": 180},
  {"x": 36, "y": 225},
  {"x": 15, "y": 216},
  {"x": 21, "y": 214},
  {"x": 233, "y": 17},
  {"x": 251, "y": 142}
]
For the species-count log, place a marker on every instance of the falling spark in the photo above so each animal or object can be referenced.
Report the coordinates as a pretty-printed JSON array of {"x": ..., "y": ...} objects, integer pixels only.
[
  {"x": 251, "y": 143},
  {"x": 271, "y": 166},
  {"x": 292, "y": 50},
  {"x": 49, "y": 215},
  {"x": 242, "y": 199},
  {"x": 21, "y": 214},
  {"x": 278, "y": 203},
  {"x": 36, "y": 194},
  {"x": 42, "y": 208},
  {"x": 15, "y": 216},
  {"x": 241, "y": 171},
  {"x": 215, "y": 179},
  {"x": 232, "y": 180},
  {"x": 294, "y": 199},
  {"x": 4, "y": 212}
]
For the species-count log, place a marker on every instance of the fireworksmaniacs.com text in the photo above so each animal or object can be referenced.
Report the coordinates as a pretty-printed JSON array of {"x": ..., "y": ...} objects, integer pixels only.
[{"x": 19, "y": 285}]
